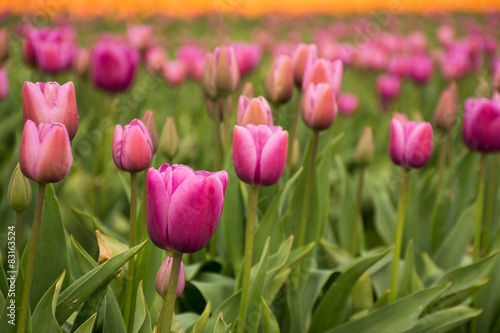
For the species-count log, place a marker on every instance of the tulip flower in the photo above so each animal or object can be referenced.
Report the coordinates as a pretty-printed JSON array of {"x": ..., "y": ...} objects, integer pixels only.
[
  {"x": 4, "y": 83},
  {"x": 400, "y": 66},
  {"x": 194, "y": 57},
  {"x": 226, "y": 75},
  {"x": 323, "y": 71},
  {"x": 411, "y": 143},
  {"x": 45, "y": 154},
  {"x": 132, "y": 147},
  {"x": 140, "y": 36},
  {"x": 248, "y": 90},
  {"x": 300, "y": 59},
  {"x": 445, "y": 115},
  {"x": 481, "y": 125},
  {"x": 4, "y": 46},
  {"x": 163, "y": 278},
  {"x": 279, "y": 82},
  {"x": 149, "y": 121},
  {"x": 207, "y": 79},
  {"x": 19, "y": 191},
  {"x": 154, "y": 58},
  {"x": 81, "y": 62},
  {"x": 348, "y": 103},
  {"x": 254, "y": 111},
  {"x": 31, "y": 36},
  {"x": 54, "y": 53},
  {"x": 319, "y": 106},
  {"x": 421, "y": 69},
  {"x": 248, "y": 56},
  {"x": 184, "y": 206},
  {"x": 365, "y": 149},
  {"x": 174, "y": 72},
  {"x": 388, "y": 87},
  {"x": 51, "y": 103},
  {"x": 169, "y": 139},
  {"x": 113, "y": 65},
  {"x": 259, "y": 153}
]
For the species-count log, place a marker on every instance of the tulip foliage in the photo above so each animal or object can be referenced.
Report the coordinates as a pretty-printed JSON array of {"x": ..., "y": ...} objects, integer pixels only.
[{"x": 341, "y": 184}]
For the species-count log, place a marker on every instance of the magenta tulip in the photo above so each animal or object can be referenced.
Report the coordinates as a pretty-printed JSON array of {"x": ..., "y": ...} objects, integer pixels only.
[
  {"x": 4, "y": 83},
  {"x": 421, "y": 69},
  {"x": 248, "y": 56},
  {"x": 184, "y": 206},
  {"x": 51, "y": 103},
  {"x": 194, "y": 57},
  {"x": 319, "y": 107},
  {"x": 411, "y": 143},
  {"x": 254, "y": 111},
  {"x": 259, "y": 153},
  {"x": 163, "y": 278},
  {"x": 388, "y": 87},
  {"x": 348, "y": 104},
  {"x": 55, "y": 53},
  {"x": 132, "y": 147},
  {"x": 45, "y": 154},
  {"x": 481, "y": 126}
]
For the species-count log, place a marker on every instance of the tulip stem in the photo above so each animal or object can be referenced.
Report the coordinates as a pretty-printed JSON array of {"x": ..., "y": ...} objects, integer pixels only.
[
  {"x": 217, "y": 136},
  {"x": 490, "y": 205},
  {"x": 276, "y": 115},
  {"x": 227, "y": 124},
  {"x": 253, "y": 197},
  {"x": 19, "y": 229},
  {"x": 30, "y": 265},
  {"x": 165, "y": 320},
  {"x": 129, "y": 291},
  {"x": 450, "y": 148},
  {"x": 357, "y": 211},
  {"x": 480, "y": 204},
  {"x": 399, "y": 231},
  {"x": 293, "y": 129}
]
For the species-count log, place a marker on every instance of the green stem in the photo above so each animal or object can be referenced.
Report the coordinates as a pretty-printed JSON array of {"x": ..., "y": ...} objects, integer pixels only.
[
  {"x": 490, "y": 205},
  {"x": 293, "y": 129},
  {"x": 253, "y": 197},
  {"x": 129, "y": 291},
  {"x": 450, "y": 148},
  {"x": 441, "y": 167},
  {"x": 30, "y": 265},
  {"x": 165, "y": 320},
  {"x": 276, "y": 115},
  {"x": 217, "y": 136},
  {"x": 227, "y": 123},
  {"x": 480, "y": 204},
  {"x": 357, "y": 211},
  {"x": 399, "y": 231},
  {"x": 19, "y": 229}
]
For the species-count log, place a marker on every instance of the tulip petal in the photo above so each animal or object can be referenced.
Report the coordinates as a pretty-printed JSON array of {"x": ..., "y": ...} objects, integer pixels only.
[
  {"x": 35, "y": 106},
  {"x": 117, "y": 146},
  {"x": 30, "y": 147},
  {"x": 397, "y": 142},
  {"x": 64, "y": 109},
  {"x": 244, "y": 154},
  {"x": 136, "y": 152},
  {"x": 419, "y": 145},
  {"x": 157, "y": 210},
  {"x": 273, "y": 159}
]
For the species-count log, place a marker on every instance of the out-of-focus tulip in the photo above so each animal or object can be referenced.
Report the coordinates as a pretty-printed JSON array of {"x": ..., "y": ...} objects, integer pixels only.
[
  {"x": 323, "y": 71},
  {"x": 163, "y": 278},
  {"x": 300, "y": 58},
  {"x": 248, "y": 90},
  {"x": 194, "y": 57},
  {"x": 19, "y": 191},
  {"x": 54, "y": 53},
  {"x": 4, "y": 83},
  {"x": 81, "y": 62},
  {"x": 421, "y": 69},
  {"x": 132, "y": 147},
  {"x": 496, "y": 80},
  {"x": 4, "y": 45},
  {"x": 481, "y": 125},
  {"x": 140, "y": 36},
  {"x": 388, "y": 87},
  {"x": 417, "y": 42},
  {"x": 400, "y": 65},
  {"x": 319, "y": 107},
  {"x": 174, "y": 72},
  {"x": 184, "y": 206},
  {"x": 445, "y": 115},
  {"x": 259, "y": 153},
  {"x": 226, "y": 74},
  {"x": 254, "y": 111},
  {"x": 31, "y": 37},
  {"x": 411, "y": 143},
  {"x": 45, "y": 154},
  {"x": 113, "y": 65},
  {"x": 279, "y": 82},
  {"x": 365, "y": 149},
  {"x": 248, "y": 56},
  {"x": 348, "y": 104},
  {"x": 50, "y": 103},
  {"x": 294, "y": 153},
  {"x": 169, "y": 139},
  {"x": 207, "y": 80},
  {"x": 149, "y": 121},
  {"x": 154, "y": 58},
  {"x": 445, "y": 35}
]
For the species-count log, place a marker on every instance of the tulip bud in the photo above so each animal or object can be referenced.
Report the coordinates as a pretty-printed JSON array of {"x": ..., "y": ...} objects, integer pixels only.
[
  {"x": 482, "y": 125},
  {"x": 365, "y": 149},
  {"x": 174, "y": 72},
  {"x": 300, "y": 58},
  {"x": 248, "y": 56},
  {"x": 154, "y": 58},
  {"x": 132, "y": 147},
  {"x": 348, "y": 103},
  {"x": 319, "y": 106},
  {"x": 323, "y": 71},
  {"x": 51, "y": 103},
  {"x": 254, "y": 111},
  {"x": 140, "y": 36},
  {"x": 81, "y": 62},
  {"x": 388, "y": 87},
  {"x": 411, "y": 143},
  {"x": 4, "y": 83},
  {"x": 445, "y": 115},
  {"x": 4, "y": 46},
  {"x": 295, "y": 153},
  {"x": 45, "y": 154},
  {"x": 259, "y": 153},
  {"x": 226, "y": 74},
  {"x": 248, "y": 90},
  {"x": 169, "y": 139},
  {"x": 19, "y": 191},
  {"x": 149, "y": 120},
  {"x": 207, "y": 78},
  {"x": 163, "y": 278},
  {"x": 279, "y": 82},
  {"x": 421, "y": 69}
]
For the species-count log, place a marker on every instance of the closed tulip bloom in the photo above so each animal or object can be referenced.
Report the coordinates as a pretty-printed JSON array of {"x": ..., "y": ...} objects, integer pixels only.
[
  {"x": 154, "y": 58},
  {"x": 174, "y": 72},
  {"x": 113, "y": 65},
  {"x": 169, "y": 139},
  {"x": 31, "y": 37},
  {"x": 226, "y": 74},
  {"x": 4, "y": 45},
  {"x": 149, "y": 121},
  {"x": 45, "y": 154},
  {"x": 300, "y": 58},
  {"x": 132, "y": 147},
  {"x": 279, "y": 82},
  {"x": 411, "y": 143},
  {"x": 248, "y": 56},
  {"x": 365, "y": 150},
  {"x": 348, "y": 104},
  {"x": 319, "y": 107},
  {"x": 140, "y": 36},
  {"x": 421, "y": 69},
  {"x": 248, "y": 90},
  {"x": 254, "y": 111},
  {"x": 184, "y": 206},
  {"x": 51, "y": 103},
  {"x": 163, "y": 278},
  {"x": 481, "y": 125},
  {"x": 207, "y": 79},
  {"x": 54, "y": 54},
  {"x": 259, "y": 153},
  {"x": 445, "y": 115},
  {"x": 81, "y": 62},
  {"x": 19, "y": 191},
  {"x": 388, "y": 87},
  {"x": 323, "y": 71},
  {"x": 4, "y": 83},
  {"x": 194, "y": 57}
]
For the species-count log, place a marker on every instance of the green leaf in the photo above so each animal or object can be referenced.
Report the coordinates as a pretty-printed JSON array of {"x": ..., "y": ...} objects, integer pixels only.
[
  {"x": 453, "y": 298},
  {"x": 202, "y": 321},
  {"x": 313, "y": 287},
  {"x": 74, "y": 296},
  {"x": 445, "y": 320},
  {"x": 399, "y": 316},
  {"x": 142, "y": 320},
  {"x": 490, "y": 304},
  {"x": 230, "y": 308},
  {"x": 87, "y": 326},
  {"x": 385, "y": 214},
  {"x": 332, "y": 308},
  {"x": 147, "y": 264},
  {"x": 84, "y": 260},
  {"x": 221, "y": 326},
  {"x": 410, "y": 281},
  {"x": 278, "y": 260},
  {"x": 337, "y": 255},
  {"x": 272, "y": 289},
  {"x": 270, "y": 323},
  {"x": 362, "y": 294},
  {"x": 113, "y": 320},
  {"x": 43, "y": 319},
  {"x": 215, "y": 288},
  {"x": 296, "y": 315},
  {"x": 383, "y": 300}
]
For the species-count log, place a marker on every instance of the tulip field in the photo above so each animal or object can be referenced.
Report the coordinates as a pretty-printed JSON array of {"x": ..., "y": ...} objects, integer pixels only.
[{"x": 274, "y": 174}]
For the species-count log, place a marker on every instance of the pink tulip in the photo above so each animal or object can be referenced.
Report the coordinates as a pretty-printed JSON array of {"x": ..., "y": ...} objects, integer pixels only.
[
  {"x": 348, "y": 103},
  {"x": 259, "y": 153},
  {"x": 140, "y": 36},
  {"x": 279, "y": 82},
  {"x": 113, "y": 65},
  {"x": 400, "y": 66},
  {"x": 225, "y": 70},
  {"x": 481, "y": 126},
  {"x": 154, "y": 58},
  {"x": 445, "y": 115},
  {"x": 132, "y": 147},
  {"x": 421, "y": 69},
  {"x": 4, "y": 83},
  {"x": 445, "y": 35},
  {"x": 411, "y": 143},
  {"x": 417, "y": 42},
  {"x": 55, "y": 52},
  {"x": 319, "y": 107},
  {"x": 81, "y": 62},
  {"x": 174, "y": 72},
  {"x": 163, "y": 278},
  {"x": 184, "y": 206},
  {"x": 51, "y": 103},
  {"x": 323, "y": 71},
  {"x": 194, "y": 57},
  {"x": 31, "y": 38},
  {"x": 300, "y": 57},
  {"x": 45, "y": 154},
  {"x": 254, "y": 111},
  {"x": 388, "y": 87},
  {"x": 248, "y": 56}
]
